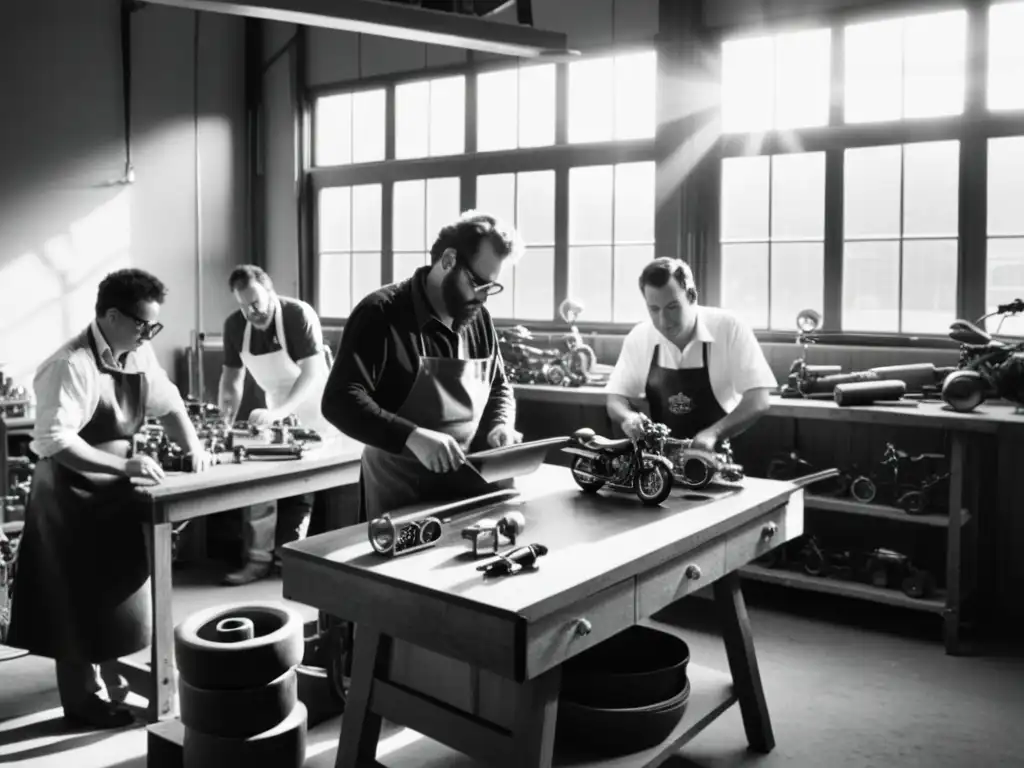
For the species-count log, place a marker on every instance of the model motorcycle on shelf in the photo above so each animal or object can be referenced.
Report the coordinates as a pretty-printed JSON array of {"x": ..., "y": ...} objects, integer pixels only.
[
  {"x": 988, "y": 366},
  {"x": 912, "y": 483},
  {"x": 570, "y": 365}
]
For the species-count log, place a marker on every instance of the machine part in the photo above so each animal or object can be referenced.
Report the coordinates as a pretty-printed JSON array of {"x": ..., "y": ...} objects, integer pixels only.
[
  {"x": 289, "y": 451},
  {"x": 868, "y": 392},
  {"x": 235, "y": 629},
  {"x": 863, "y": 489},
  {"x": 582, "y": 361},
  {"x": 963, "y": 391},
  {"x": 204, "y": 661},
  {"x": 653, "y": 484},
  {"x": 582, "y": 473},
  {"x": 555, "y": 374},
  {"x": 402, "y": 538},
  {"x": 511, "y": 525},
  {"x": 695, "y": 472},
  {"x": 238, "y": 713},
  {"x": 913, "y": 502},
  {"x": 514, "y": 561},
  {"x": 283, "y": 746}
]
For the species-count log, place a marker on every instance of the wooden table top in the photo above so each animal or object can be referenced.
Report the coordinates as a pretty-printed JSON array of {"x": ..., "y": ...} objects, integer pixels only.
[{"x": 593, "y": 540}]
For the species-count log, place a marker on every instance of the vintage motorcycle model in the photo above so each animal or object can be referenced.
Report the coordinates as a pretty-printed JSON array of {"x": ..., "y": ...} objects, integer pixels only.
[
  {"x": 637, "y": 466},
  {"x": 988, "y": 367},
  {"x": 570, "y": 365}
]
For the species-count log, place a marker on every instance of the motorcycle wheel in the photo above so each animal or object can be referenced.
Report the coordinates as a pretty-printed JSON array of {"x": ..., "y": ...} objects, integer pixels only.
[
  {"x": 583, "y": 478},
  {"x": 963, "y": 391},
  {"x": 653, "y": 485},
  {"x": 582, "y": 361},
  {"x": 913, "y": 502},
  {"x": 863, "y": 489}
]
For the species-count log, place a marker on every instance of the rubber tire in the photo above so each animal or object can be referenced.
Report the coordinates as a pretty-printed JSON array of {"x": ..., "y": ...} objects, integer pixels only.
[
  {"x": 240, "y": 713},
  {"x": 206, "y": 663},
  {"x": 666, "y": 486},
  {"x": 282, "y": 747},
  {"x": 588, "y": 487}
]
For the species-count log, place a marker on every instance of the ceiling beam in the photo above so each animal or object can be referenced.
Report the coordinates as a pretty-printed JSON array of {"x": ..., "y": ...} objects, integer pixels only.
[{"x": 403, "y": 22}]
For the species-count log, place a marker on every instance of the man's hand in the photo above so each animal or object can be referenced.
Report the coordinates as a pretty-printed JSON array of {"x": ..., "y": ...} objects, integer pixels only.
[
  {"x": 502, "y": 435},
  {"x": 634, "y": 425},
  {"x": 145, "y": 467},
  {"x": 202, "y": 460},
  {"x": 436, "y": 451},
  {"x": 263, "y": 417},
  {"x": 705, "y": 440}
]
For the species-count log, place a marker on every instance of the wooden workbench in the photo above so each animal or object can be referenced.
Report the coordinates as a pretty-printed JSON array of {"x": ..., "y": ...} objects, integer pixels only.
[
  {"x": 185, "y": 496},
  {"x": 613, "y": 563}
]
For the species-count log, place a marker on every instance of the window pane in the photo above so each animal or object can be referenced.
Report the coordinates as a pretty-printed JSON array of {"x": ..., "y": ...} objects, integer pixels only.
[
  {"x": 1005, "y": 57},
  {"x": 537, "y": 106},
  {"x": 745, "y": 282},
  {"x": 935, "y": 64},
  {"x": 496, "y": 100},
  {"x": 871, "y": 201},
  {"x": 534, "y": 285},
  {"x": 502, "y": 305},
  {"x": 931, "y": 179},
  {"x": 335, "y": 286},
  {"x": 634, "y": 203},
  {"x": 366, "y": 217},
  {"x": 798, "y": 196},
  {"x": 369, "y": 124},
  {"x": 1006, "y": 186},
  {"x": 496, "y": 195},
  {"x": 798, "y": 280},
  {"x": 448, "y": 116},
  {"x": 874, "y": 63},
  {"x": 332, "y": 130},
  {"x": 408, "y": 231},
  {"x": 929, "y": 285},
  {"x": 590, "y": 205},
  {"x": 404, "y": 264},
  {"x": 871, "y": 285},
  {"x": 627, "y": 302},
  {"x": 412, "y": 103},
  {"x": 590, "y": 100},
  {"x": 536, "y": 207},
  {"x": 745, "y": 198},
  {"x": 590, "y": 281},
  {"x": 636, "y": 77},
  {"x": 803, "y": 78},
  {"x": 748, "y": 84},
  {"x": 335, "y": 216},
  {"x": 365, "y": 275},
  {"x": 443, "y": 206},
  {"x": 1005, "y": 280}
]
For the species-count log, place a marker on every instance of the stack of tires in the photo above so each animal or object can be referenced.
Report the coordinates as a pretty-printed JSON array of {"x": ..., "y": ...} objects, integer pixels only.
[{"x": 237, "y": 687}]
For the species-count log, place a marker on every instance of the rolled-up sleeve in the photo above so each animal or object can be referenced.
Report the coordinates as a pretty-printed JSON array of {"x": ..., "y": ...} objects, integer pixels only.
[
  {"x": 629, "y": 375},
  {"x": 163, "y": 397},
  {"x": 64, "y": 404}
]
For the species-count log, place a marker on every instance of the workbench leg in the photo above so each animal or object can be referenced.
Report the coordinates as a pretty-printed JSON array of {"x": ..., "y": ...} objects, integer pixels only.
[
  {"x": 746, "y": 678},
  {"x": 954, "y": 546},
  {"x": 360, "y": 728},
  {"x": 161, "y": 699},
  {"x": 535, "y": 717}
]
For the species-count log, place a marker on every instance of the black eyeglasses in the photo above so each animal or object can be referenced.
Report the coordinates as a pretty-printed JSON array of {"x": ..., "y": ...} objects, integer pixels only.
[
  {"x": 147, "y": 330},
  {"x": 479, "y": 285}
]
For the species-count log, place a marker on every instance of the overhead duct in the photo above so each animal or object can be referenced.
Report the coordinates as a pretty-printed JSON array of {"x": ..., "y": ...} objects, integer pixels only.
[{"x": 403, "y": 21}]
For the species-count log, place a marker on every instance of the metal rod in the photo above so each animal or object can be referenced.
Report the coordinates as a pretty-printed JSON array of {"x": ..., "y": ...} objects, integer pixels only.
[{"x": 198, "y": 346}]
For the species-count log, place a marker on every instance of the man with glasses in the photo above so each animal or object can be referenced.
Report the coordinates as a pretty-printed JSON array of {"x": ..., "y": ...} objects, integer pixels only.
[
  {"x": 82, "y": 595},
  {"x": 419, "y": 378}
]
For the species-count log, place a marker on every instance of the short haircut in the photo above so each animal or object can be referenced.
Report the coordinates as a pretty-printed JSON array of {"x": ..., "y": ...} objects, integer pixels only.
[
  {"x": 660, "y": 270},
  {"x": 125, "y": 288},
  {"x": 471, "y": 229},
  {"x": 245, "y": 275}
]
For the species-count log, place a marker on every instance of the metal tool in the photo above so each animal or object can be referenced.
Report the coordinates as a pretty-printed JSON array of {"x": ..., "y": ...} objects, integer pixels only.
[
  {"x": 515, "y": 561},
  {"x": 393, "y": 539}
]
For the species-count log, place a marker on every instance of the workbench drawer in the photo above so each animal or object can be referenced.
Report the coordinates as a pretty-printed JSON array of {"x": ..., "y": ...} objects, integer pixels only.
[
  {"x": 764, "y": 534},
  {"x": 572, "y": 630},
  {"x": 678, "y": 578}
]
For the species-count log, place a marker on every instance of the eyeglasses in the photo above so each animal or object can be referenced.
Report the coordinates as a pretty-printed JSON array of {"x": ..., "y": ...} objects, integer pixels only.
[
  {"x": 147, "y": 330},
  {"x": 479, "y": 285}
]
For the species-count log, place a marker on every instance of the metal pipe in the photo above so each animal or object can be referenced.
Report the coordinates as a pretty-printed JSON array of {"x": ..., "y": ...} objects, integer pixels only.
[{"x": 198, "y": 346}]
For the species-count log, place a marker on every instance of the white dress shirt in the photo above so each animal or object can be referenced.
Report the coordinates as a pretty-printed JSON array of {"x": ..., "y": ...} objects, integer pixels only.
[
  {"x": 736, "y": 362},
  {"x": 68, "y": 386}
]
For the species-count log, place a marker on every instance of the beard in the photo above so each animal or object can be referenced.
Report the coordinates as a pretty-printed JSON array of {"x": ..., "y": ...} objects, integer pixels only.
[{"x": 461, "y": 311}]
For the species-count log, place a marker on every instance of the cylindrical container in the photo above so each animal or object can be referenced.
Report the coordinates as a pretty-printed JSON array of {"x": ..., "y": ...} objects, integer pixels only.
[
  {"x": 916, "y": 376},
  {"x": 868, "y": 392}
]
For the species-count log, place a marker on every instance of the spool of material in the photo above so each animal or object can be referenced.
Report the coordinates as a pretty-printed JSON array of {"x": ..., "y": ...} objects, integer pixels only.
[
  {"x": 235, "y": 629},
  {"x": 868, "y": 392}
]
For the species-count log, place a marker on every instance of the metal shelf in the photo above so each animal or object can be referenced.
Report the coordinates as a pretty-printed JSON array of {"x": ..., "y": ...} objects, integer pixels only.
[{"x": 880, "y": 511}]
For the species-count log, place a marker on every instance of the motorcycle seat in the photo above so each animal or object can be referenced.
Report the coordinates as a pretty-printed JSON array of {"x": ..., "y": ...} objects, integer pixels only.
[{"x": 599, "y": 443}]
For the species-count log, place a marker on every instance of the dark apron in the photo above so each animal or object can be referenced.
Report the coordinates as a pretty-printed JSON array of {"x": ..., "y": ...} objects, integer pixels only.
[
  {"x": 682, "y": 398},
  {"x": 448, "y": 395},
  {"x": 82, "y": 592}
]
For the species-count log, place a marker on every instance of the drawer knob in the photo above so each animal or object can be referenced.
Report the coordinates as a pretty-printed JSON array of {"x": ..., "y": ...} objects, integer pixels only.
[
  {"x": 693, "y": 572},
  {"x": 769, "y": 531},
  {"x": 583, "y": 627}
]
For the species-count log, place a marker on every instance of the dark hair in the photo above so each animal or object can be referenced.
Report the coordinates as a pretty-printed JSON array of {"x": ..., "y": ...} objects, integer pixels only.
[
  {"x": 125, "y": 288},
  {"x": 246, "y": 274},
  {"x": 471, "y": 229},
  {"x": 658, "y": 272}
]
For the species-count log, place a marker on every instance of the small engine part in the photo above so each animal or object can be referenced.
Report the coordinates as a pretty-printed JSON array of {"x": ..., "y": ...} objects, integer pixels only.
[{"x": 393, "y": 539}]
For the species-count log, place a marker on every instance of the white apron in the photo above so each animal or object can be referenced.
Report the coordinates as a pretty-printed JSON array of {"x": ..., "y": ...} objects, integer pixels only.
[{"x": 276, "y": 374}]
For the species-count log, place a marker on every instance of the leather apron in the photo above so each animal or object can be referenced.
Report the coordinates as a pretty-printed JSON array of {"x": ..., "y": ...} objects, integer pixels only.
[
  {"x": 82, "y": 592},
  {"x": 276, "y": 374},
  {"x": 448, "y": 395},
  {"x": 682, "y": 398}
]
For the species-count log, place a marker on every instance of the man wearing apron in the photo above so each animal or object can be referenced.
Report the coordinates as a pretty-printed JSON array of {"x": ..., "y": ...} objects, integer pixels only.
[
  {"x": 279, "y": 341},
  {"x": 701, "y": 369},
  {"x": 82, "y": 593}
]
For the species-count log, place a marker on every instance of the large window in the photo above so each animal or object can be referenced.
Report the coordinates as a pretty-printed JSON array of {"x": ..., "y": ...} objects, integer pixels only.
[
  {"x": 350, "y": 128},
  {"x": 420, "y": 209},
  {"x": 349, "y": 247},
  {"x": 430, "y": 118},
  {"x": 1005, "y": 228},
  {"x": 515, "y": 108},
  {"x": 612, "y": 98}
]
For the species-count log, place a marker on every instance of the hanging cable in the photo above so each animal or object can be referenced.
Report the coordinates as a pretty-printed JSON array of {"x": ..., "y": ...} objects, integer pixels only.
[
  {"x": 201, "y": 393},
  {"x": 127, "y": 8}
]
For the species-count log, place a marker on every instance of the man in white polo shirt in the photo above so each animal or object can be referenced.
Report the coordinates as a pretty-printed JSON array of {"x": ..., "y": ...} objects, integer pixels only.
[{"x": 700, "y": 368}]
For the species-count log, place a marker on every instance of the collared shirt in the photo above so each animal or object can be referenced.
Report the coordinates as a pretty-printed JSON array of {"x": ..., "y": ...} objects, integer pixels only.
[
  {"x": 736, "y": 362},
  {"x": 68, "y": 385},
  {"x": 378, "y": 358}
]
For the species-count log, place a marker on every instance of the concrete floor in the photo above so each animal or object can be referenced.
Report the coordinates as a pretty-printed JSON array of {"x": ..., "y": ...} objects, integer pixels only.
[{"x": 849, "y": 685}]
